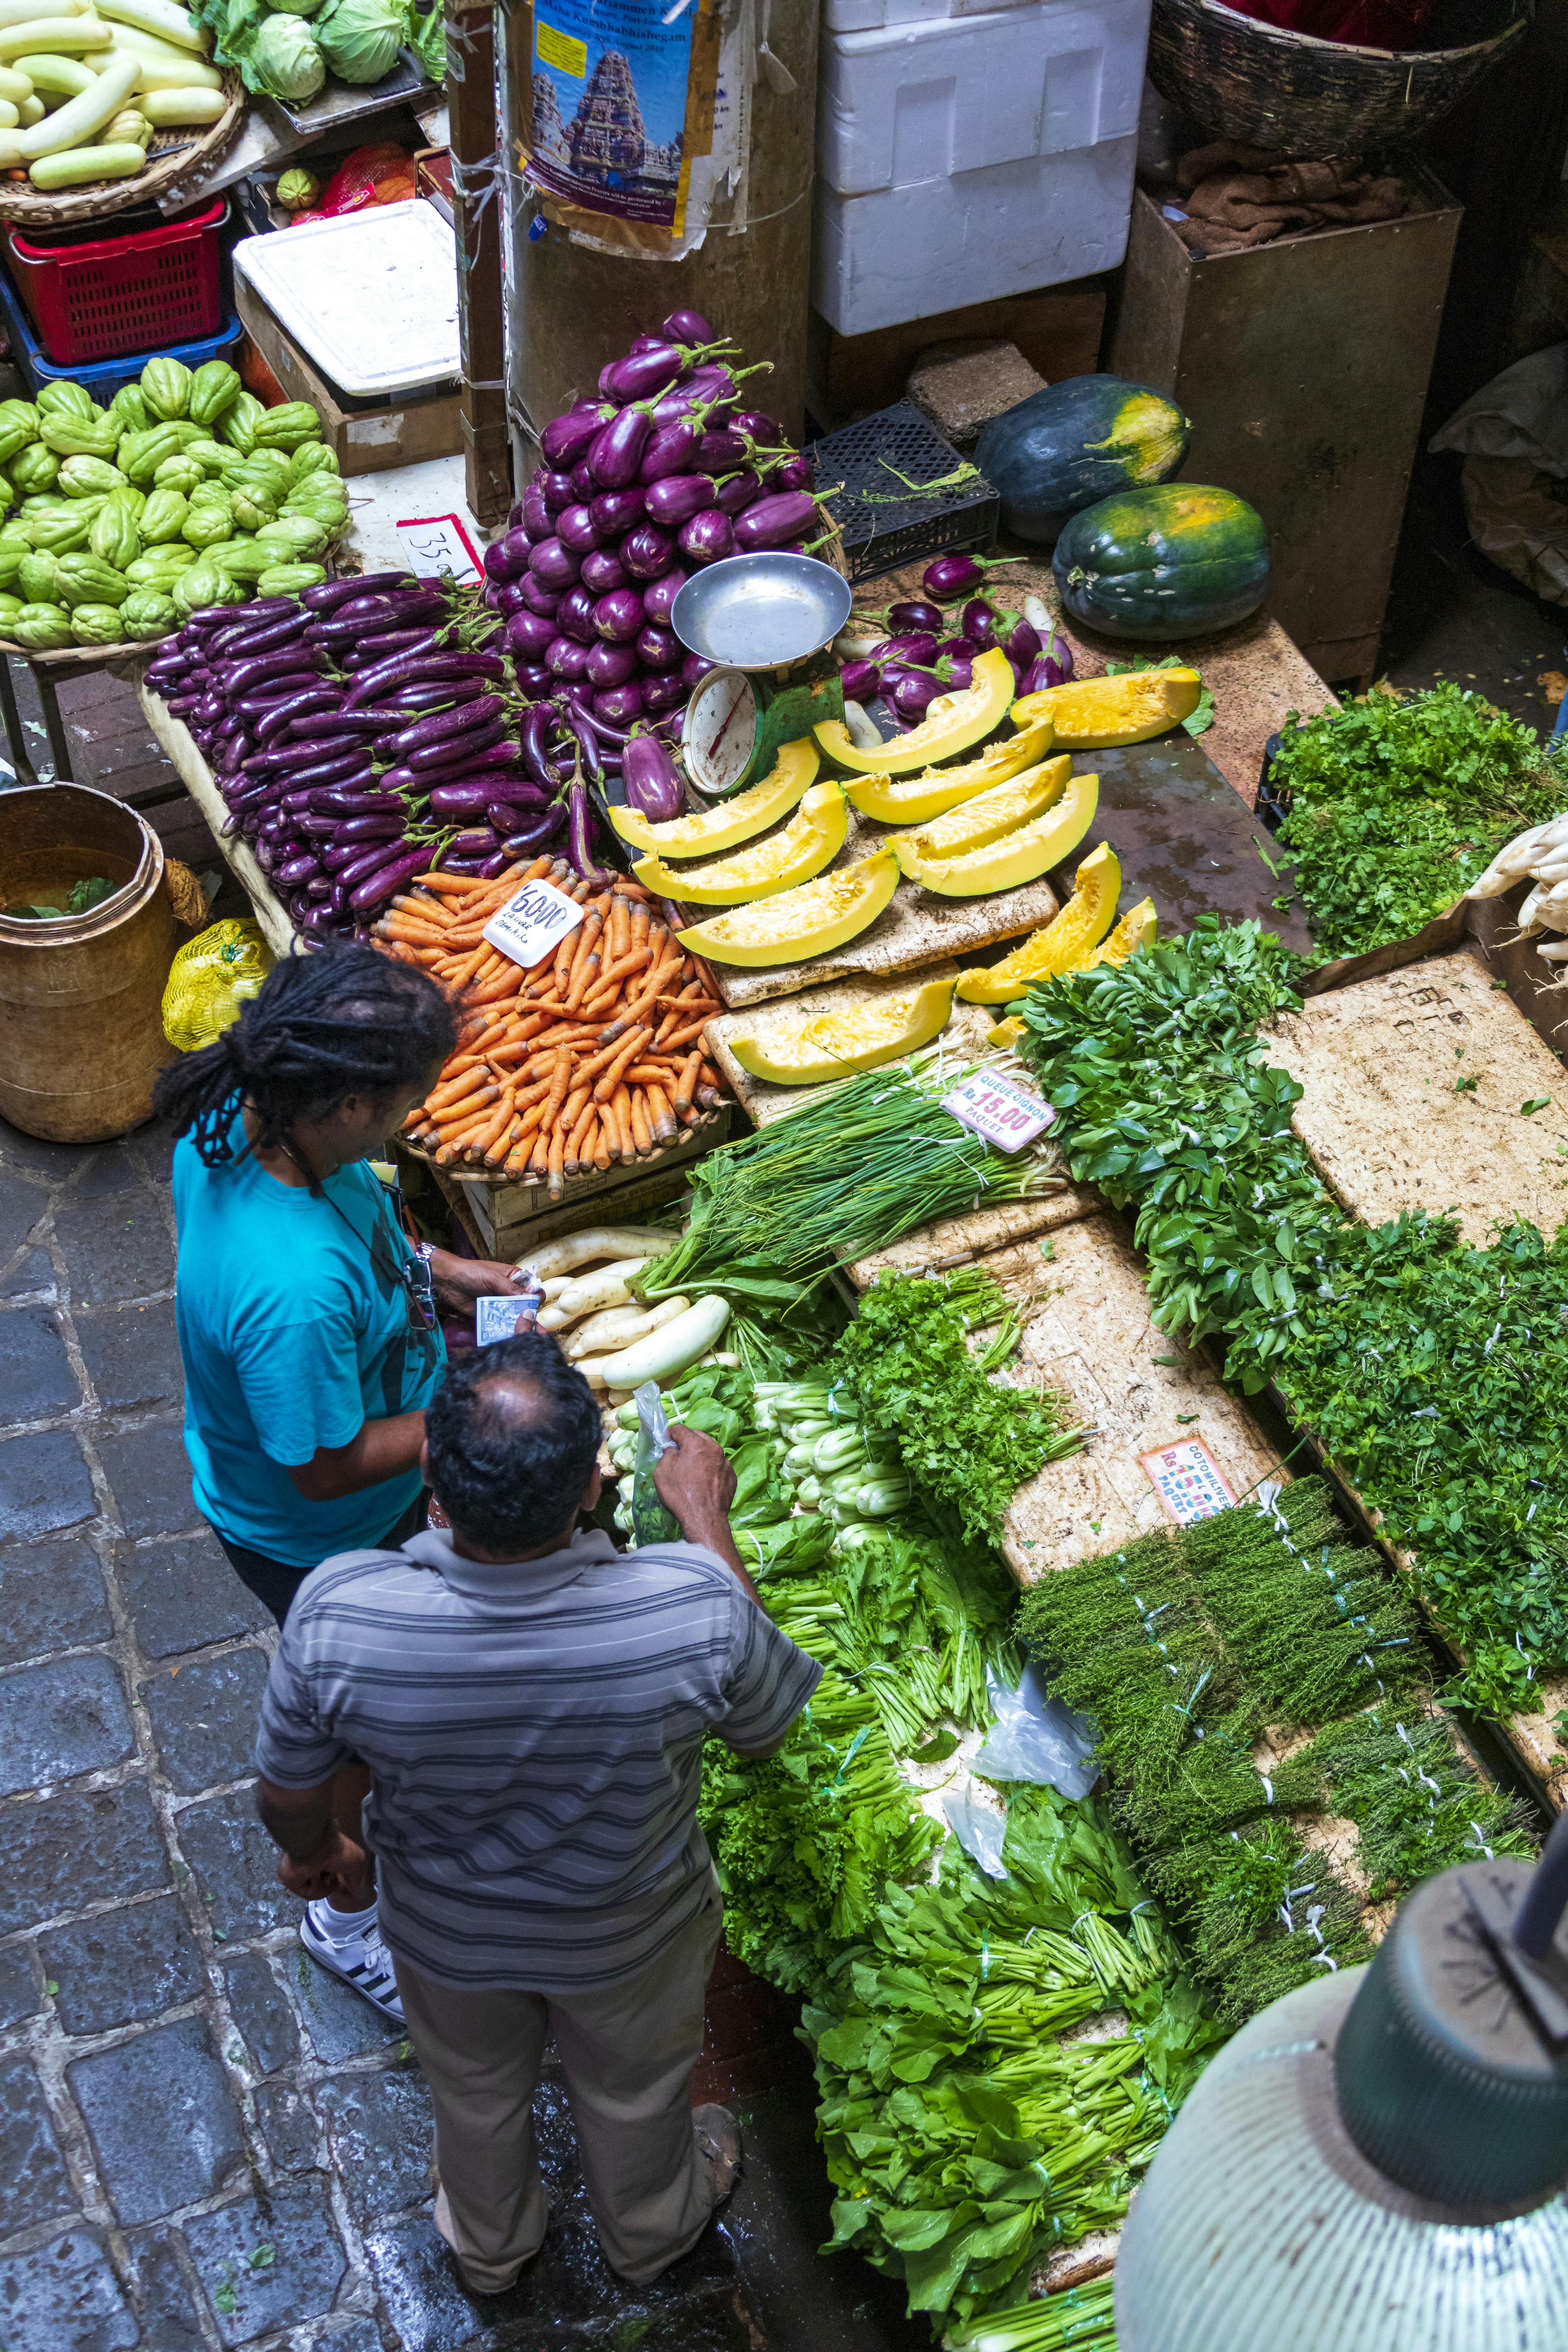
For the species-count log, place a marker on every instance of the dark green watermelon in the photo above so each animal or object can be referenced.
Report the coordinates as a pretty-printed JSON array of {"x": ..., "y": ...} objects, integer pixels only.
[
  {"x": 1075, "y": 442},
  {"x": 1176, "y": 561}
]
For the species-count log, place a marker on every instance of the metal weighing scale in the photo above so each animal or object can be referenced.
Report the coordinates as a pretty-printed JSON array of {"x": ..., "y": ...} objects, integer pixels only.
[{"x": 767, "y": 621}]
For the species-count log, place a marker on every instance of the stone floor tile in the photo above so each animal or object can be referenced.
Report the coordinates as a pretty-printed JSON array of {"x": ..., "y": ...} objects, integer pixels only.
[
  {"x": 61, "y": 1719},
  {"x": 107, "y": 1172},
  {"x": 290, "y": 2127},
  {"x": 236, "y": 1866},
  {"x": 33, "y": 1272},
  {"x": 380, "y": 2126},
  {"x": 115, "y": 1248},
  {"x": 260, "y": 2009},
  {"x": 149, "y": 1475},
  {"x": 164, "y": 2127},
  {"x": 88, "y": 1846},
  {"x": 163, "y": 2295},
  {"x": 66, "y": 2295},
  {"x": 36, "y": 2185},
  {"x": 119, "y": 1966},
  {"x": 299, "y": 2282},
  {"x": 183, "y": 1596},
  {"x": 133, "y": 1356},
  {"x": 359, "y": 2336},
  {"x": 54, "y": 1160},
  {"x": 339, "y": 2021},
  {"x": 37, "y": 1381},
  {"x": 152, "y": 1145},
  {"x": 44, "y": 1484},
  {"x": 21, "y": 1206},
  {"x": 51, "y": 1598},
  {"x": 21, "y": 1984},
  {"x": 204, "y": 1717}
]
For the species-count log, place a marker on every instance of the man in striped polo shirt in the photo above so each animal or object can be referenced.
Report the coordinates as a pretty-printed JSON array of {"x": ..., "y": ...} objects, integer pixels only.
[{"x": 532, "y": 1705}]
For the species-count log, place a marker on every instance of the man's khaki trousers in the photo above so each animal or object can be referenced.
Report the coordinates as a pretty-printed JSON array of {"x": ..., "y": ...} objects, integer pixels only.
[{"x": 627, "y": 2054}]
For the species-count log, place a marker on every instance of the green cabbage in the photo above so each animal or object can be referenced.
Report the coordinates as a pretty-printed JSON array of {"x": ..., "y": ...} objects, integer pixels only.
[
  {"x": 278, "y": 58},
  {"x": 360, "y": 39}
]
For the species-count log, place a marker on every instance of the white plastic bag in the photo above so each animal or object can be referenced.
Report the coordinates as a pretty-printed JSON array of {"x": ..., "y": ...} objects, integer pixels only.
[{"x": 1036, "y": 1737}]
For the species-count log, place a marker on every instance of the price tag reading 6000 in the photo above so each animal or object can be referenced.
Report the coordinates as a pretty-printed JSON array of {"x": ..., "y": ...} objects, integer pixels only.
[
  {"x": 533, "y": 924},
  {"x": 999, "y": 1108}
]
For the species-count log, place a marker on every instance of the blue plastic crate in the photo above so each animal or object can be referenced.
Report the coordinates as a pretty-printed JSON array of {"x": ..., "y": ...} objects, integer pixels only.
[{"x": 103, "y": 378}]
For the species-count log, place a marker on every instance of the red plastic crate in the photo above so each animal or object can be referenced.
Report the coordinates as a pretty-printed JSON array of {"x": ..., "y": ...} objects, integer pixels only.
[{"x": 138, "y": 293}]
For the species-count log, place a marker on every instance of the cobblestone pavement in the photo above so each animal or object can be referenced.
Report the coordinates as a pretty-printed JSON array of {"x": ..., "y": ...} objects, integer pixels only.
[{"x": 205, "y": 2142}]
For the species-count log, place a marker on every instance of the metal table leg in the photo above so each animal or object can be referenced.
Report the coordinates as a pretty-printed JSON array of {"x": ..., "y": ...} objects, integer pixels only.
[
  {"x": 17, "y": 742},
  {"x": 44, "y": 680}
]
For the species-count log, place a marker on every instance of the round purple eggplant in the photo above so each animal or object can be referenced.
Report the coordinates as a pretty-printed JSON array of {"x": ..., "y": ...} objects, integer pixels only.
[
  {"x": 575, "y": 618},
  {"x": 647, "y": 552},
  {"x": 575, "y": 527},
  {"x": 653, "y": 782},
  {"x": 530, "y": 635},
  {"x": 669, "y": 451},
  {"x": 617, "y": 451},
  {"x": 686, "y": 327},
  {"x": 602, "y": 572},
  {"x": 566, "y": 438},
  {"x": 773, "y": 522},
  {"x": 738, "y": 491},
  {"x": 583, "y": 486},
  {"x": 558, "y": 493},
  {"x": 695, "y": 667},
  {"x": 567, "y": 658},
  {"x": 619, "y": 704},
  {"x": 537, "y": 597},
  {"x": 553, "y": 564},
  {"x": 533, "y": 678},
  {"x": 861, "y": 680},
  {"x": 618, "y": 618},
  {"x": 656, "y": 648},
  {"x": 708, "y": 537},
  {"x": 661, "y": 694},
  {"x": 951, "y": 576},
  {"x": 535, "y": 514},
  {"x": 611, "y": 665},
  {"x": 614, "y": 512},
  {"x": 659, "y": 598}
]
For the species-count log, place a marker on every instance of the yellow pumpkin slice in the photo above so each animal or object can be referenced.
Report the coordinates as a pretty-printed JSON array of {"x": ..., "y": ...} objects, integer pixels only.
[
  {"x": 1098, "y": 714},
  {"x": 1064, "y": 945},
  {"x": 1138, "y": 928},
  {"x": 812, "y": 838},
  {"x": 857, "y": 1037},
  {"x": 1015, "y": 858},
  {"x": 985, "y": 817},
  {"x": 1007, "y": 1033},
  {"x": 915, "y": 799},
  {"x": 821, "y": 915},
  {"x": 732, "y": 820},
  {"x": 953, "y": 723}
]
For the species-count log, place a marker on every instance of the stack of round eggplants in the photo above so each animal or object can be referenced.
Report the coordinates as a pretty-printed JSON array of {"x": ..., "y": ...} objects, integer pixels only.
[
  {"x": 359, "y": 733},
  {"x": 665, "y": 472},
  {"x": 924, "y": 655}
]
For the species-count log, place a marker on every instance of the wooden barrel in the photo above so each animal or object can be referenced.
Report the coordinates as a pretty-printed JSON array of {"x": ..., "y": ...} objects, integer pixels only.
[{"x": 80, "y": 996}]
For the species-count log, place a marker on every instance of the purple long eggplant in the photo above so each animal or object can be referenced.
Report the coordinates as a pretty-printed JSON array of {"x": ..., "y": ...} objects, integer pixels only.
[
  {"x": 328, "y": 595},
  {"x": 474, "y": 795},
  {"x": 708, "y": 537},
  {"x": 384, "y": 645},
  {"x": 652, "y": 779},
  {"x": 659, "y": 598},
  {"x": 406, "y": 668},
  {"x": 445, "y": 724},
  {"x": 314, "y": 706},
  {"x": 949, "y": 577},
  {"x": 353, "y": 860},
  {"x": 678, "y": 496},
  {"x": 530, "y": 836},
  {"x": 738, "y": 491},
  {"x": 246, "y": 675},
  {"x": 686, "y": 327},
  {"x": 453, "y": 755},
  {"x": 579, "y": 835},
  {"x": 387, "y": 881},
  {"x": 534, "y": 735},
  {"x": 266, "y": 698},
  {"x": 566, "y": 438},
  {"x": 347, "y": 800},
  {"x": 771, "y": 522},
  {"x": 617, "y": 451},
  {"x": 669, "y": 450},
  {"x": 861, "y": 680},
  {"x": 602, "y": 570},
  {"x": 643, "y": 375}
]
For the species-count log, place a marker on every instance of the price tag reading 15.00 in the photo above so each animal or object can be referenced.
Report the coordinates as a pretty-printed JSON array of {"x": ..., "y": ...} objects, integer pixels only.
[
  {"x": 530, "y": 926},
  {"x": 999, "y": 1108}
]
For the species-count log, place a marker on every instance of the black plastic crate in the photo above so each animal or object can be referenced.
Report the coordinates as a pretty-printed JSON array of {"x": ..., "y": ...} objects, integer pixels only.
[
  {"x": 1273, "y": 804},
  {"x": 885, "y": 524}
]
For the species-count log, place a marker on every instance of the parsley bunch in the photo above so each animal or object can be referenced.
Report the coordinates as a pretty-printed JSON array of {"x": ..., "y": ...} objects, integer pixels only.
[{"x": 1397, "y": 806}]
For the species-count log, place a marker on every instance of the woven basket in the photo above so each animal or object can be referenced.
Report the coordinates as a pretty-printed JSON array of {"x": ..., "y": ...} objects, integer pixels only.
[
  {"x": 173, "y": 157},
  {"x": 1237, "y": 78}
]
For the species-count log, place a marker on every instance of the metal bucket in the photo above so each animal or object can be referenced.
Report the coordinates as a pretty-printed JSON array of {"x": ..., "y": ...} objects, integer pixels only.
[{"x": 80, "y": 996}]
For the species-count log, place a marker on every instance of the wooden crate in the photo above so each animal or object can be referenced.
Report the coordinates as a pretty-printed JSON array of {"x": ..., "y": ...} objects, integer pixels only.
[
  {"x": 368, "y": 437},
  {"x": 505, "y": 1218},
  {"x": 1303, "y": 365}
]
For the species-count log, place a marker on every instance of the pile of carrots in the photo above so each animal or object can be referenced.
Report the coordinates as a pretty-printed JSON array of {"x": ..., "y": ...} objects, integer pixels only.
[{"x": 592, "y": 1054}]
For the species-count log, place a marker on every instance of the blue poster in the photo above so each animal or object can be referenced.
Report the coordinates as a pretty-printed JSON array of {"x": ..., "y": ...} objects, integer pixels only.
[{"x": 610, "y": 98}]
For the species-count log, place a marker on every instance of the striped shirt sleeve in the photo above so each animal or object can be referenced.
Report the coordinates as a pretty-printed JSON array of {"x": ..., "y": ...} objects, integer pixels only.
[
  {"x": 767, "y": 1683},
  {"x": 293, "y": 1748}
]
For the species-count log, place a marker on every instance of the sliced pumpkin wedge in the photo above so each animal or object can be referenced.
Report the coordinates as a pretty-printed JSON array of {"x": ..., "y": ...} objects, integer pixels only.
[
  {"x": 732, "y": 821},
  {"x": 811, "y": 840},
  {"x": 1007, "y": 1033},
  {"x": 1065, "y": 944},
  {"x": 1138, "y": 928},
  {"x": 1098, "y": 714},
  {"x": 915, "y": 799},
  {"x": 1015, "y": 858},
  {"x": 986, "y": 816},
  {"x": 859, "y": 1037},
  {"x": 821, "y": 915},
  {"x": 953, "y": 723}
]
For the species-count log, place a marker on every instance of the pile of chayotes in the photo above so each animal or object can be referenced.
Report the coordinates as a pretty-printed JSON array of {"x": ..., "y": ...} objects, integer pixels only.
[{"x": 183, "y": 494}]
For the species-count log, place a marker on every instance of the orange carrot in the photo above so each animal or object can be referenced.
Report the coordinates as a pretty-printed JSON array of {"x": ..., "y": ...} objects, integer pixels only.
[
  {"x": 605, "y": 1085},
  {"x": 642, "y": 1138}
]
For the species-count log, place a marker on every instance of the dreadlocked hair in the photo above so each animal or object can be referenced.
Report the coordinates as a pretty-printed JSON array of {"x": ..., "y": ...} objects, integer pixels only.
[{"x": 341, "y": 1021}]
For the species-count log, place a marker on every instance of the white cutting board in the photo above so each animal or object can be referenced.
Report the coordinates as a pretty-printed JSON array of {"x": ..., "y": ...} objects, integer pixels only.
[{"x": 371, "y": 297}]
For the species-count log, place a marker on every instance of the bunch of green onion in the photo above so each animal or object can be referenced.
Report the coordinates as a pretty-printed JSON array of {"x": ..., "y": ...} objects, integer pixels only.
[{"x": 1080, "y": 2319}]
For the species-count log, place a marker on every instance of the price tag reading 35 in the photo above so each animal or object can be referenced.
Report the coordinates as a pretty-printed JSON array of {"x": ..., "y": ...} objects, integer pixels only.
[
  {"x": 434, "y": 544},
  {"x": 533, "y": 924},
  {"x": 1004, "y": 1112}
]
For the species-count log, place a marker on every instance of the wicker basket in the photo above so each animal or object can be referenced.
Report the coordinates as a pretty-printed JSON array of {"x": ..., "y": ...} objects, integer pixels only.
[
  {"x": 1237, "y": 78},
  {"x": 174, "y": 156}
]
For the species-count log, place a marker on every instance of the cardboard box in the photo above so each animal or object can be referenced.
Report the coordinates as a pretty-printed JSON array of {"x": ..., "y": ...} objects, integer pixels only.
[{"x": 368, "y": 437}]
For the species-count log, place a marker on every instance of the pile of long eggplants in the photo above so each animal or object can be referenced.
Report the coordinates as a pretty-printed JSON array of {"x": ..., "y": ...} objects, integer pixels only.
[
  {"x": 919, "y": 652},
  {"x": 663, "y": 473},
  {"x": 364, "y": 731}
]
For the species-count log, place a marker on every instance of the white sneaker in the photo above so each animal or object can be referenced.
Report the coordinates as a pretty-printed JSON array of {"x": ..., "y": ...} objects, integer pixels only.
[{"x": 363, "y": 1961}]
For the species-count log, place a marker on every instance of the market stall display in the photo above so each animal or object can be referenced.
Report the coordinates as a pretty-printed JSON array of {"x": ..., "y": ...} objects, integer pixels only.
[
  {"x": 286, "y": 53},
  {"x": 1075, "y": 442}
]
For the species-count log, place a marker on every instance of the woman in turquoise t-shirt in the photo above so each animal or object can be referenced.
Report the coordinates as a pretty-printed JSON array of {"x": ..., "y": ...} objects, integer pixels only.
[{"x": 307, "y": 1321}]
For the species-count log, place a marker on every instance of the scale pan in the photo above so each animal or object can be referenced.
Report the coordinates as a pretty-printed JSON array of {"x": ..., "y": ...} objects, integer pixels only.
[{"x": 760, "y": 612}]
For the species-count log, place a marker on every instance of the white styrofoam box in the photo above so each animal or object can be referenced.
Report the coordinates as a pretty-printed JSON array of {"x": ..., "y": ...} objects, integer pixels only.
[
  {"x": 371, "y": 297},
  {"x": 865, "y": 15},
  {"x": 961, "y": 160}
]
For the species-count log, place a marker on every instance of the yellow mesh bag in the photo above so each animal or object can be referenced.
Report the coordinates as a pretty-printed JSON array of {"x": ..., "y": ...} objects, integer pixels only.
[{"x": 210, "y": 978}]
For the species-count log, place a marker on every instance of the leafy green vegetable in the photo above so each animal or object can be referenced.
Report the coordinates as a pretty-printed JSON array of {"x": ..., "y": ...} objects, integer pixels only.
[
  {"x": 359, "y": 38},
  {"x": 968, "y": 1441},
  {"x": 89, "y": 892},
  {"x": 1398, "y": 805}
]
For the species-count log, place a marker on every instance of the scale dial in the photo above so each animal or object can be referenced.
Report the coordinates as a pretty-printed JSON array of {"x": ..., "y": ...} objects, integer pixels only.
[{"x": 719, "y": 739}]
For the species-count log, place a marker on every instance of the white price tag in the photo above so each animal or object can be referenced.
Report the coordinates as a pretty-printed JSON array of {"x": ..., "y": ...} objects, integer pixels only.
[
  {"x": 437, "y": 543},
  {"x": 533, "y": 923},
  {"x": 1187, "y": 1479},
  {"x": 497, "y": 1317},
  {"x": 1006, "y": 1113}
]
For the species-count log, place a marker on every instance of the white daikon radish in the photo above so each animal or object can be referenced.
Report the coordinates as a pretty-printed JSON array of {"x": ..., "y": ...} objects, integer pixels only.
[
  {"x": 598, "y": 1242},
  {"x": 664, "y": 1353},
  {"x": 607, "y": 1285},
  {"x": 618, "y": 1326}
]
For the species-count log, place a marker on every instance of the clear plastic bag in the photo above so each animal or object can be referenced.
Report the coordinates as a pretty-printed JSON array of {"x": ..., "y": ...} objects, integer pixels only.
[
  {"x": 211, "y": 977},
  {"x": 978, "y": 1829},
  {"x": 1036, "y": 1737},
  {"x": 652, "y": 1519}
]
